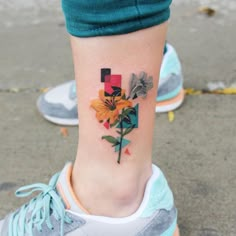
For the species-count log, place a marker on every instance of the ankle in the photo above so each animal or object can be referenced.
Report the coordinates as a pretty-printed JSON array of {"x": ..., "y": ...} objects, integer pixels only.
[{"x": 112, "y": 195}]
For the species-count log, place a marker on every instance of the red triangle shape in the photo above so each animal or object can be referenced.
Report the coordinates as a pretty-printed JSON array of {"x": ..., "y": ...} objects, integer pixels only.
[{"x": 127, "y": 151}]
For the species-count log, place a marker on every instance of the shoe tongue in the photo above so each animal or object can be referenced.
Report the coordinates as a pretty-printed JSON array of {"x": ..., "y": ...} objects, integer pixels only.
[{"x": 66, "y": 192}]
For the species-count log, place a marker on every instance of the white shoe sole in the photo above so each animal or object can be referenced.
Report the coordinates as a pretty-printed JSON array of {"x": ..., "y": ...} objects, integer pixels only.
[{"x": 59, "y": 121}]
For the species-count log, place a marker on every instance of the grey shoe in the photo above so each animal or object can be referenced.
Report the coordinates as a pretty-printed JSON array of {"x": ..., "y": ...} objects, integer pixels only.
[
  {"x": 59, "y": 104},
  {"x": 56, "y": 212}
]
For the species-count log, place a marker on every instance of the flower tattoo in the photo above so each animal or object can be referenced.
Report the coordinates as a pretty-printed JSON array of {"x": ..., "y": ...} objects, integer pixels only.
[
  {"x": 116, "y": 110},
  {"x": 109, "y": 107},
  {"x": 140, "y": 86}
]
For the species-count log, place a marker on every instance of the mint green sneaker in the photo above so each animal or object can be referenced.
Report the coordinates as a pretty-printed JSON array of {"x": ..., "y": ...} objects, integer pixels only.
[
  {"x": 59, "y": 104},
  {"x": 57, "y": 212},
  {"x": 170, "y": 95}
]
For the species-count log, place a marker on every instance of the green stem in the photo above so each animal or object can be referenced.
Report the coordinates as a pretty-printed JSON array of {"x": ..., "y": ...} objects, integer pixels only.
[
  {"x": 121, "y": 136},
  {"x": 121, "y": 139}
]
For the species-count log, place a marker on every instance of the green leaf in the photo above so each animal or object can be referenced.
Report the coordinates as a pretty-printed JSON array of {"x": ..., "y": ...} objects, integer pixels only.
[
  {"x": 128, "y": 130},
  {"x": 114, "y": 124},
  {"x": 124, "y": 116},
  {"x": 118, "y": 143},
  {"x": 126, "y": 112},
  {"x": 110, "y": 139},
  {"x": 127, "y": 120},
  {"x": 130, "y": 110},
  {"x": 118, "y": 132},
  {"x": 133, "y": 111}
]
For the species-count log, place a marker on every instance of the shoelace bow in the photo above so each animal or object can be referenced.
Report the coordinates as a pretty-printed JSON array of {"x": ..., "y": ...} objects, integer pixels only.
[{"x": 32, "y": 215}]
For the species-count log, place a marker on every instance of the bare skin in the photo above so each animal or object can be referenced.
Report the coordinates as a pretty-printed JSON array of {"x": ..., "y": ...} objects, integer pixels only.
[{"x": 102, "y": 186}]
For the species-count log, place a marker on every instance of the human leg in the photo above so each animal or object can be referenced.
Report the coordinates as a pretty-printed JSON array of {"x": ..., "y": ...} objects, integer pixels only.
[
  {"x": 121, "y": 55},
  {"x": 122, "y": 185}
]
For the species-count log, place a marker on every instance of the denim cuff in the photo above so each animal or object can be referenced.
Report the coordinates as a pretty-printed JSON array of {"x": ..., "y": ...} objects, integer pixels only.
[{"x": 90, "y": 18}]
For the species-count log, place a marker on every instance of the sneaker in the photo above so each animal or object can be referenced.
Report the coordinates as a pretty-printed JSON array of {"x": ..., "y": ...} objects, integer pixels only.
[
  {"x": 59, "y": 104},
  {"x": 56, "y": 212},
  {"x": 170, "y": 95}
]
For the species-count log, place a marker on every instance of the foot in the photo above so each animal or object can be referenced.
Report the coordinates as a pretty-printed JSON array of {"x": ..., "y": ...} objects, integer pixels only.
[
  {"x": 57, "y": 211},
  {"x": 59, "y": 104}
]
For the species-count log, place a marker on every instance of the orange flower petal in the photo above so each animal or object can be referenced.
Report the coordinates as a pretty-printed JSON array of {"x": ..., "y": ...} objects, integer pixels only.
[
  {"x": 113, "y": 116},
  {"x": 103, "y": 115},
  {"x": 123, "y": 104},
  {"x": 103, "y": 112},
  {"x": 101, "y": 94},
  {"x": 98, "y": 105}
]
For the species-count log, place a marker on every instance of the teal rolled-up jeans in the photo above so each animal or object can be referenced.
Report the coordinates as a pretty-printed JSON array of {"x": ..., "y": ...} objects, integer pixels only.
[{"x": 90, "y": 18}]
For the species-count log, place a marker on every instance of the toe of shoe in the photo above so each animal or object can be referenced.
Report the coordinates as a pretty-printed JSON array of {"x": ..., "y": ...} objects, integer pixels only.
[
  {"x": 42, "y": 105},
  {"x": 48, "y": 108}
]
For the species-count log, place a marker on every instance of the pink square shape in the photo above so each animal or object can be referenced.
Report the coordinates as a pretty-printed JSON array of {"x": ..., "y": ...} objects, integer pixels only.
[{"x": 112, "y": 81}]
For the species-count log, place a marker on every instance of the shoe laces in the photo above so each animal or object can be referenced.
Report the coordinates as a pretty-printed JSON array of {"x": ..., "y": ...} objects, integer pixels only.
[{"x": 38, "y": 211}]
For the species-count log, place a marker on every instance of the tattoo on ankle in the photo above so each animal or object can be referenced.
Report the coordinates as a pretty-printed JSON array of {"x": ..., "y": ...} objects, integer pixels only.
[{"x": 116, "y": 109}]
